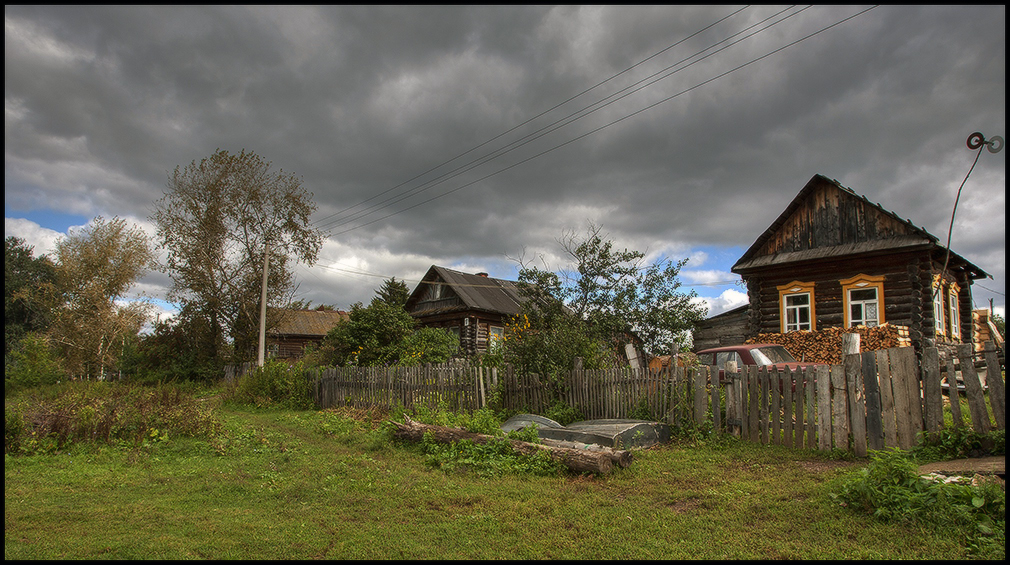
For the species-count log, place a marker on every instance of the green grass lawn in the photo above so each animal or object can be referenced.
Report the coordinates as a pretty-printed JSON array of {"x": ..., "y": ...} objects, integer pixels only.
[{"x": 322, "y": 485}]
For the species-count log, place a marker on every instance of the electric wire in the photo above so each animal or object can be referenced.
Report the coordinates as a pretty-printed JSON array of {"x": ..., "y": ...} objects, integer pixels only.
[
  {"x": 571, "y": 118},
  {"x": 545, "y": 112},
  {"x": 593, "y": 131}
]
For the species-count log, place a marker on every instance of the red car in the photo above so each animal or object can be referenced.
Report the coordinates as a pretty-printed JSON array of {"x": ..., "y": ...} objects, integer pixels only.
[{"x": 760, "y": 354}]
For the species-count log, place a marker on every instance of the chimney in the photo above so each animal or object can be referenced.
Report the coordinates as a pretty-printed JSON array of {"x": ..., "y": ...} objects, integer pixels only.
[{"x": 481, "y": 274}]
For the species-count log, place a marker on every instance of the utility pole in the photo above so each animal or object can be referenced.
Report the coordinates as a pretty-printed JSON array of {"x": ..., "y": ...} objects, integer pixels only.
[{"x": 263, "y": 305}]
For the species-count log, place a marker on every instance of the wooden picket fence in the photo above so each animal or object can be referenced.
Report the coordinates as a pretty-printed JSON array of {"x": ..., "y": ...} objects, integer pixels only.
[{"x": 872, "y": 400}]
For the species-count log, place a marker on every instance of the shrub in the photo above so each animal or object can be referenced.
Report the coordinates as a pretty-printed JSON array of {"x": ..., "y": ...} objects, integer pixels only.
[
  {"x": 890, "y": 488},
  {"x": 31, "y": 363},
  {"x": 47, "y": 420},
  {"x": 275, "y": 384}
]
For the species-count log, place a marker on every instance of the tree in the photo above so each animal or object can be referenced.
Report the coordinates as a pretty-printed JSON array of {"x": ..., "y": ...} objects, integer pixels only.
[
  {"x": 215, "y": 222},
  {"x": 23, "y": 274},
  {"x": 1000, "y": 324},
  {"x": 383, "y": 333},
  {"x": 615, "y": 297},
  {"x": 394, "y": 292},
  {"x": 95, "y": 267}
]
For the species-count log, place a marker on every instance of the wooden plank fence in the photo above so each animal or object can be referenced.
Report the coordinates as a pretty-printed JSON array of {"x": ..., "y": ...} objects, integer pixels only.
[{"x": 871, "y": 401}]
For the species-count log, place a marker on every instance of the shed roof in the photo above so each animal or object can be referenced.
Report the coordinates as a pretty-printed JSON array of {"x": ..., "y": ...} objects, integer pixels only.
[{"x": 309, "y": 322}]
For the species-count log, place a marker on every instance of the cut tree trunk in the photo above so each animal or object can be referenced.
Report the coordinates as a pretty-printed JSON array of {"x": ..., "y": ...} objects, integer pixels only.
[{"x": 587, "y": 459}]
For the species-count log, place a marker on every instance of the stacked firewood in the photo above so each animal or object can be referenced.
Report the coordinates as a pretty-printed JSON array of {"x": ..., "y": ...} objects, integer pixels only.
[{"x": 825, "y": 346}]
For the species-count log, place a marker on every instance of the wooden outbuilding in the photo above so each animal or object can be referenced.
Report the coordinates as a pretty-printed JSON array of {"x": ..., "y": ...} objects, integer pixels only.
[
  {"x": 475, "y": 307},
  {"x": 835, "y": 259},
  {"x": 297, "y": 329}
]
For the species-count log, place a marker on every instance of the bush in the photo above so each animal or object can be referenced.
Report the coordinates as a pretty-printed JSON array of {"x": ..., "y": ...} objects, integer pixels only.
[
  {"x": 891, "y": 489},
  {"x": 31, "y": 363},
  {"x": 275, "y": 384},
  {"x": 50, "y": 419}
]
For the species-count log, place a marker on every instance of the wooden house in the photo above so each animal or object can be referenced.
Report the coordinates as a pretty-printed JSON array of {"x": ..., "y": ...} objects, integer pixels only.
[
  {"x": 475, "y": 307},
  {"x": 834, "y": 259},
  {"x": 297, "y": 329}
]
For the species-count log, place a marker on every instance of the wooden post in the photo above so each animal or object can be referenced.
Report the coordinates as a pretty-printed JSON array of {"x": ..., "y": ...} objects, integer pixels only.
[
  {"x": 874, "y": 420},
  {"x": 994, "y": 380},
  {"x": 953, "y": 395},
  {"x": 973, "y": 389},
  {"x": 932, "y": 395},
  {"x": 823, "y": 408},
  {"x": 857, "y": 403},
  {"x": 839, "y": 408}
]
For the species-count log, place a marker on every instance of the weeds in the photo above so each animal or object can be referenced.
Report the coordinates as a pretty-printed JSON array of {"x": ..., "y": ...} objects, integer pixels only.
[
  {"x": 891, "y": 489},
  {"x": 49, "y": 419}
]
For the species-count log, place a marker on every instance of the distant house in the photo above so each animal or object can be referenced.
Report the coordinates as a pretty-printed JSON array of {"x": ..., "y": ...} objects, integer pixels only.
[
  {"x": 834, "y": 259},
  {"x": 728, "y": 328},
  {"x": 475, "y": 307},
  {"x": 297, "y": 329}
]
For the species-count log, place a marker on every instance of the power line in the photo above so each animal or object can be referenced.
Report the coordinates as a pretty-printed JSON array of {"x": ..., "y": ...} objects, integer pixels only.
[
  {"x": 571, "y": 118},
  {"x": 591, "y": 132},
  {"x": 538, "y": 115}
]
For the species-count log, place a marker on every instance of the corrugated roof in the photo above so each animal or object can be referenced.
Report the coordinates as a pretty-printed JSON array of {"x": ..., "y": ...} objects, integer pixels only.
[
  {"x": 478, "y": 292},
  {"x": 309, "y": 322}
]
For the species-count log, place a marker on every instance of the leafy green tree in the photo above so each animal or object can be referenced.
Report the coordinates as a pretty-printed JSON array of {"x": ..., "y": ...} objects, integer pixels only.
[
  {"x": 31, "y": 363},
  {"x": 215, "y": 223},
  {"x": 383, "y": 333},
  {"x": 1000, "y": 324},
  {"x": 23, "y": 273},
  {"x": 394, "y": 292},
  {"x": 589, "y": 310},
  {"x": 95, "y": 268}
]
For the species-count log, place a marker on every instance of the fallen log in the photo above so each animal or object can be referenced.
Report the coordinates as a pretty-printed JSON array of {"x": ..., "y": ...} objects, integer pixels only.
[{"x": 600, "y": 460}]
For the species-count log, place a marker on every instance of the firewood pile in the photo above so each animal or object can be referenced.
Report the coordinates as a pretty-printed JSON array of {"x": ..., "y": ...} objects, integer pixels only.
[{"x": 825, "y": 346}]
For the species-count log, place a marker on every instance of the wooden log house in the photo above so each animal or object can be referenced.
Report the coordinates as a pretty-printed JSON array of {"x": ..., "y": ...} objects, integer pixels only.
[
  {"x": 297, "y": 329},
  {"x": 834, "y": 259},
  {"x": 475, "y": 307}
]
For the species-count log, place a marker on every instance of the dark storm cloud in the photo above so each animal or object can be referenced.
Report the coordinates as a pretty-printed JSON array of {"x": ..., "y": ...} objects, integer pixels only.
[{"x": 102, "y": 102}]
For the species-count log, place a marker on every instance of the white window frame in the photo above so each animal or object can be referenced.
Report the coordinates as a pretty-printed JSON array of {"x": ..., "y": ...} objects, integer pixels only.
[
  {"x": 939, "y": 313},
  {"x": 858, "y": 283},
  {"x": 788, "y": 291},
  {"x": 953, "y": 293}
]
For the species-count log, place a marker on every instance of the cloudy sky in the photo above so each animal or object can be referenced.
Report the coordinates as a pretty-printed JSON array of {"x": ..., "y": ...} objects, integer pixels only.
[{"x": 469, "y": 137}]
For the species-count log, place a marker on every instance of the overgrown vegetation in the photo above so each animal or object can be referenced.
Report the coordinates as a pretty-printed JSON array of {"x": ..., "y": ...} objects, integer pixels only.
[
  {"x": 891, "y": 489},
  {"x": 51, "y": 419},
  {"x": 276, "y": 385}
]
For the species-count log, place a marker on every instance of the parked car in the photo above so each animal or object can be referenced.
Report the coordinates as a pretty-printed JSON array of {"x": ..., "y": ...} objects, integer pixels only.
[{"x": 760, "y": 354}]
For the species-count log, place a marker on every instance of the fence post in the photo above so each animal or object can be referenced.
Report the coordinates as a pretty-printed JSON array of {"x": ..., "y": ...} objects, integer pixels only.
[
  {"x": 874, "y": 421},
  {"x": 994, "y": 380},
  {"x": 973, "y": 389},
  {"x": 857, "y": 403}
]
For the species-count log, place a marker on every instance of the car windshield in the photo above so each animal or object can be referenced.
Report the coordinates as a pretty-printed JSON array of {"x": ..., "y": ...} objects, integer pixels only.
[{"x": 771, "y": 354}]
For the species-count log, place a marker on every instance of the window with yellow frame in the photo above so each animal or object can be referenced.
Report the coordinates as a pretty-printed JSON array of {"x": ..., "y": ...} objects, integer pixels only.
[
  {"x": 863, "y": 298},
  {"x": 953, "y": 293},
  {"x": 796, "y": 307},
  {"x": 939, "y": 316}
]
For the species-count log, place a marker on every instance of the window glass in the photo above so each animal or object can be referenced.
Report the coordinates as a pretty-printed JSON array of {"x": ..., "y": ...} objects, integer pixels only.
[
  {"x": 797, "y": 307},
  {"x": 863, "y": 307}
]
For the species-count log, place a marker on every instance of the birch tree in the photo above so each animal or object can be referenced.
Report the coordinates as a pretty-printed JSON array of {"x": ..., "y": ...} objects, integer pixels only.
[
  {"x": 95, "y": 267},
  {"x": 214, "y": 223}
]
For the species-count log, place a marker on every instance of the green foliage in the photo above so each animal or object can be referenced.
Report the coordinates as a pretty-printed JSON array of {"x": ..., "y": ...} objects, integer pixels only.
[
  {"x": 33, "y": 362},
  {"x": 891, "y": 489},
  {"x": 494, "y": 458},
  {"x": 957, "y": 443},
  {"x": 1000, "y": 324},
  {"x": 46, "y": 420},
  {"x": 275, "y": 384},
  {"x": 383, "y": 334},
  {"x": 393, "y": 292},
  {"x": 173, "y": 352},
  {"x": 23, "y": 273},
  {"x": 563, "y": 413}
]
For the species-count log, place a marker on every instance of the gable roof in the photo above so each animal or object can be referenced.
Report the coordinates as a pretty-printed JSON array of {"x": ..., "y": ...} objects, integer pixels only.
[
  {"x": 871, "y": 229},
  {"x": 308, "y": 322},
  {"x": 475, "y": 292}
]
